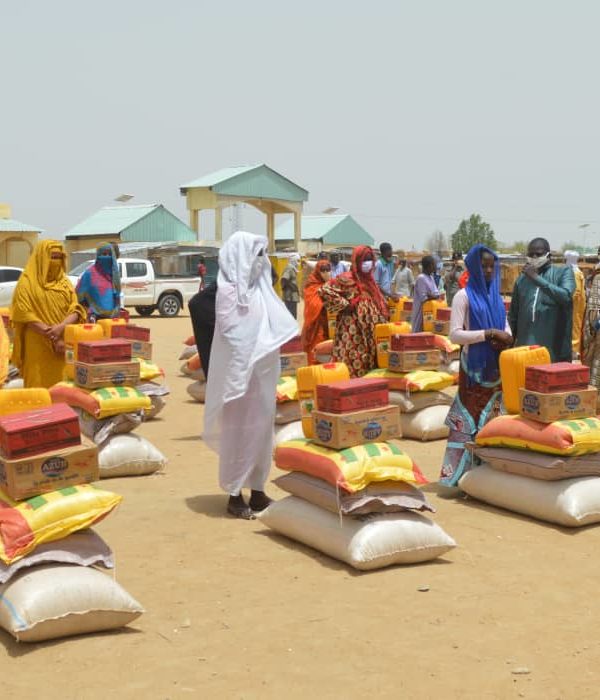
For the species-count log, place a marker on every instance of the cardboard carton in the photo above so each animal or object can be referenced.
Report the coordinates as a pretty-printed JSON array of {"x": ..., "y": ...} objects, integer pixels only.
[
  {"x": 412, "y": 341},
  {"x": 558, "y": 376},
  {"x": 441, "y": 327},
  {"x": 290, "y": 362},
  {"x": 353, "y": 395},
  {"x": 131, "y": 331},
  {"x": 39, "y": 430},
  {"x": 410, "y": 361},
  {"x": 107, "y": 350},
  {"x": 341, "y": 430},
  {"x": 141, "y": 349},
  {"x": 546, "y": 408},
  {"x": 58, "y": 469},
  {"x": 107, "y": 374}
]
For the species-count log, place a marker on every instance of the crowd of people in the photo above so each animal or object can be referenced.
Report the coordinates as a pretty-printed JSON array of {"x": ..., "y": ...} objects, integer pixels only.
[
  {"x": 548, "y": 307},
  {"x": 240, "y": 323}
]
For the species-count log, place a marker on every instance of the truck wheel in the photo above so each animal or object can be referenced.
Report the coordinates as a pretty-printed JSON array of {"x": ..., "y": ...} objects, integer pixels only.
[
  {"x": 145, "y": 310},
  {"x": 169, "y": 305}
]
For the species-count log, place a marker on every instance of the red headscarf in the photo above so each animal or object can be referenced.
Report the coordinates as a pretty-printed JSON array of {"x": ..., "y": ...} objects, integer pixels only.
[
  {"x": 313, "y": 306},
  {"x": 366, "y": 284}
]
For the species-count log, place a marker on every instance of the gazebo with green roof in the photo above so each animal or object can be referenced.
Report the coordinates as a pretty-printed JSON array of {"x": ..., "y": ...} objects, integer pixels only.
[{"x": 258, "y": 185}]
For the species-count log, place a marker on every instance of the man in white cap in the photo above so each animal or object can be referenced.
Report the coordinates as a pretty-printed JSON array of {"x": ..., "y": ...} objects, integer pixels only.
[{"x": 571, "y": 259}]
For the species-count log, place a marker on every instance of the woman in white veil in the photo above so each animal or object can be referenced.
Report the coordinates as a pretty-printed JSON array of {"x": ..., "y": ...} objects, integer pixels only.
[{"x": 251, "y": 325}]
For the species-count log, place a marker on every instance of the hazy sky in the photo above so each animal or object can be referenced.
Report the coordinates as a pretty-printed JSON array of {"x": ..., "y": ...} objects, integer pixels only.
[{"x": 407, "y": 115}]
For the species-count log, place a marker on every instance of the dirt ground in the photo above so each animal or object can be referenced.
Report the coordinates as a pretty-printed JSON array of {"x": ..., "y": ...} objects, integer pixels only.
[{"x": 233, "y": 611}]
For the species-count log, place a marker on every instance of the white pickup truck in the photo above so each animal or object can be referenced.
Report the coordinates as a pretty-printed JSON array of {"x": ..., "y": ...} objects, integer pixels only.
[{"x": 144, "y": 290}]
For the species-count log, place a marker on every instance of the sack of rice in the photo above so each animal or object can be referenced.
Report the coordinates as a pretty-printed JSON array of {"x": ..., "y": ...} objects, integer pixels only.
[
  {"x": 197, "y": 391},
  {"x": 288, "y": 431},
  {"x": 129, "y": 455},
  {"x": 411, "y": 403},
  {"x": 570, "y": 502},
  {"x": 84, "y": 548},
  {"x": 188, "y": 351},
  {"x": 366, "y": 543},
  {"x": 428, "y": 424},
  {"x": 16, "y": 383},
  {"x": 58, "y": 600},
  {"x": 100, "y": 429},
  {"x": 381, "y": 497},
  {"x": 287, "y": 412},
  {"x": 538, "y": 465}
]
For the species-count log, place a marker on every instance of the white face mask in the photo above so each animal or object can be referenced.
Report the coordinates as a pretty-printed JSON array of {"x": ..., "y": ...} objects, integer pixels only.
[
  {"x": 538, "y": 263},
  {"x": 366, "y": 266}
]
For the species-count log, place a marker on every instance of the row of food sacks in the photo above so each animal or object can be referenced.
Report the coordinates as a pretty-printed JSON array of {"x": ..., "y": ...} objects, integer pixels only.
[
  {"x": 49, "y": 583},
  {"x": 366, "y": 511}
]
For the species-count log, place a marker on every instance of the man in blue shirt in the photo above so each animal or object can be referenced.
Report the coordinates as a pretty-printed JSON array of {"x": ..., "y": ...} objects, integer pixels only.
[
  {"x": 384, "y": 272},
  {"x": 337, "y": 268}
]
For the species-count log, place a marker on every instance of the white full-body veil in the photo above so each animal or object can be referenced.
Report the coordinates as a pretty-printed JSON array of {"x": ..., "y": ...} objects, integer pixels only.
[{"x": 251, "y": 325}]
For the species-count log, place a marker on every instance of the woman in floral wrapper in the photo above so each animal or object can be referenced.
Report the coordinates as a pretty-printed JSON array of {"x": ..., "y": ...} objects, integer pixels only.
[{"x": 355, "y": 297}]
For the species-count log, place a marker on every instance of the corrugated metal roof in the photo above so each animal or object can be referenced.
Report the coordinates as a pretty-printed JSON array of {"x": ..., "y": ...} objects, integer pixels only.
[
  {"x": 330, "y": 228},
  {"x": 251, "y": 181},
  {"x": 112, "y": 220},
  {"x": 220, "y": 176},
  {"x": 12, "y": 226}
]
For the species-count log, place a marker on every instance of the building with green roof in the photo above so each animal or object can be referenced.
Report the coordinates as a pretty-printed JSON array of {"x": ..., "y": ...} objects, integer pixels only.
[
  {"x": 324, "y": 232},
  {"x": 134, "y": 223},
  {"x": 257, "y": 185}
]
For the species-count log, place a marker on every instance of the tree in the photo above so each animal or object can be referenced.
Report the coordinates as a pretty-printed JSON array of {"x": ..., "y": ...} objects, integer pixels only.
[
  {"x": 472, "y": 231},
  {"x": 520, "y": 247},
  {"x": 569, "y": 245},
  {"x": 436, "y": 243}
]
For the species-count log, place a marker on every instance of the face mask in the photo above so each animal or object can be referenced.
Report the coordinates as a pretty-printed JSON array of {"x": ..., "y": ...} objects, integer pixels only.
[
  {"x": 366, "y": 266},
  {"x": 538, "y": 263},
  {"x": 54, "y": 269},
  {"x": 105, "y": 262}
]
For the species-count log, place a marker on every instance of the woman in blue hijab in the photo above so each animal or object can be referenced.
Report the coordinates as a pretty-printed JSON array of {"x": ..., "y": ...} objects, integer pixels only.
[
  {"x": 99, "y": 287},
  {"x": 478, "y": 323}
]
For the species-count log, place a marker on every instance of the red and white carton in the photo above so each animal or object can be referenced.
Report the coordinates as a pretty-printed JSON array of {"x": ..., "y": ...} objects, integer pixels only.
[
  {"x": 40, "y": 430},
  {"x": 353, "y": 395}
]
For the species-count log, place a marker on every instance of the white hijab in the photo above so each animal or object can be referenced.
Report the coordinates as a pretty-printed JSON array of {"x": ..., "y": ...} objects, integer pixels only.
[
  {"x": 572, "y": 258},
  {"x": 251, "y": 322}
]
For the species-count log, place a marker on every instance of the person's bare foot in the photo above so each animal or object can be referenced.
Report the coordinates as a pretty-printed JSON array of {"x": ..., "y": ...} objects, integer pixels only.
[
  {"x": 259, "y": 501},
  {"x": 237, "y": 507}
]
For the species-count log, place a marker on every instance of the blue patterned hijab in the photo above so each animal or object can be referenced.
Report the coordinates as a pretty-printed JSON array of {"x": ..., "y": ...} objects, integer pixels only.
[{"x": 486, "y": 310}]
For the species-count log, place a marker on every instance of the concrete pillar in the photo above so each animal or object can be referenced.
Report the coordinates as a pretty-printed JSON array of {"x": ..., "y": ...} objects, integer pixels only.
[
  {"x": 271, "y": 231},
  {"x": 297, "y": 230},
  {"x": 195, "y": 221},
  {"x": 218, "y": 224}
]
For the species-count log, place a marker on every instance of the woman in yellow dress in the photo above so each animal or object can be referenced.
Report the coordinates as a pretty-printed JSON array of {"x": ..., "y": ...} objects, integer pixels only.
[{"x": 44, "y": 303}]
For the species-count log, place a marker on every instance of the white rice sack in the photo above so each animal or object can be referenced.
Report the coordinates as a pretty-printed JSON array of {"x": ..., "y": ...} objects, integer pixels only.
[
  {"x": 370, "y": 542},
  {"x": 569, "y": 502},
  {"x": 452, "y": 367},
  {"x": 427, "y": 424},
  {"x": 188, "y": 351},
  {"x": 58, "y": 600},
  {"x": 158, "y": 403},
  {"x": 288, "y": 412},
  {"x": 197, "y": 391},
  {"x": 101, "y": 429},
  {"x": 290, "y": 431},
  {"x": 85, "y": 548},
  {"x": 129, "y": 455},
  {"x": 411, "y": 403},
  {"x": 16, "y": 383},
  {"x": 322, "y": 358},
  {"x": 196, "y": 374}
]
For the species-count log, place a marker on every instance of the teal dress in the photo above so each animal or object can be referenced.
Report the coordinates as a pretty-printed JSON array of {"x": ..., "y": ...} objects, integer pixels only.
[{"x": 541, "y": 311}]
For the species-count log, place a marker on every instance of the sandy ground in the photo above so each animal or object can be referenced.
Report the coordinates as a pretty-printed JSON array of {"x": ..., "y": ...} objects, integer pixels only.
[{"x": 236, "y": 612}]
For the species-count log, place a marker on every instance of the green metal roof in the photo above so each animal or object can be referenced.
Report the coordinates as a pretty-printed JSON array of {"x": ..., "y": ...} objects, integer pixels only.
[
  {"x": 112, "y": 220},
  {"x": 13, "y": 226},
  {"x": 329, "y": 228},
  {"x": 255, "y": 181}
]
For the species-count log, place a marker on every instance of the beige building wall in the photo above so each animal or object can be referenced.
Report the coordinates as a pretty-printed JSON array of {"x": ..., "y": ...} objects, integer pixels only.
[{"x": 16, "y": 247}]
